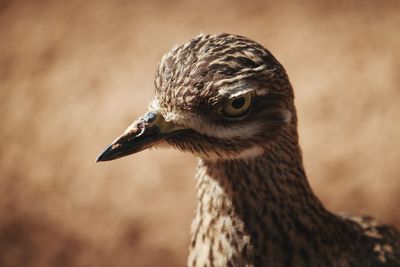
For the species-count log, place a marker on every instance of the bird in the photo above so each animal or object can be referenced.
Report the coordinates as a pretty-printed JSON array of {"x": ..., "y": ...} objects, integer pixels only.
[{"x": 227, "y": 100}]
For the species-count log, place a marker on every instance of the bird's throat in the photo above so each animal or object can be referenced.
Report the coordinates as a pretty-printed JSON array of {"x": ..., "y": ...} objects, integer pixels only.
[{"x": 248, "y": 210}]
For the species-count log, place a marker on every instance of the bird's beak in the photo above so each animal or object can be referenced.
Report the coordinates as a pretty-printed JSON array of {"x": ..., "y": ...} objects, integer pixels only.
[{"x": 147, "y": 131}]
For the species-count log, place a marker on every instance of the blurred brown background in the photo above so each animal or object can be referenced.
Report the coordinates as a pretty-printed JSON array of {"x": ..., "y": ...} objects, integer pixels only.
[{"x": 74, "y": 74}]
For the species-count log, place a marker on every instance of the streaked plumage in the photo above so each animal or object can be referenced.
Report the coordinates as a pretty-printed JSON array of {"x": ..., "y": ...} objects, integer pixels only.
[{"x": 254, "y": 204}]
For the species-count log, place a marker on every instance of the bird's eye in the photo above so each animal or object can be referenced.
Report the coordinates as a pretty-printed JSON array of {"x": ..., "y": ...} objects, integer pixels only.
[{"x": 238, "y": 106}]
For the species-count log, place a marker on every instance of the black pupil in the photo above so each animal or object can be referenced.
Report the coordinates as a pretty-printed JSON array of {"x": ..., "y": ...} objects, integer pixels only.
[{"x": 238, "y": 102}]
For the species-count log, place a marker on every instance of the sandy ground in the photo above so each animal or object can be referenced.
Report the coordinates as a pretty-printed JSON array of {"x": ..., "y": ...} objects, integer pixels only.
[{"x": 74, "y": 74}]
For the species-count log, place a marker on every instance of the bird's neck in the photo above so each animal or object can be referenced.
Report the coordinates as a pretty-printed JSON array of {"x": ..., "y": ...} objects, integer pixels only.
[{"x": 255, "y": 210}]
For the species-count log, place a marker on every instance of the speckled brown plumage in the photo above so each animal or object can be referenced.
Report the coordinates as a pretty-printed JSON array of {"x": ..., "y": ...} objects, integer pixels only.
[{"x": 254, "y": 204}]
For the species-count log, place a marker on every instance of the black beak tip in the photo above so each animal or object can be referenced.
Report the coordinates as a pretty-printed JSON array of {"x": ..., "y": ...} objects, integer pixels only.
[{"x": 105, "y": 155}]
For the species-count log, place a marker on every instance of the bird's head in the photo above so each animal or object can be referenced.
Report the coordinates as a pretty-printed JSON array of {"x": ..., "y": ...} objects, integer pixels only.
[{"x": 219, "y": 97}]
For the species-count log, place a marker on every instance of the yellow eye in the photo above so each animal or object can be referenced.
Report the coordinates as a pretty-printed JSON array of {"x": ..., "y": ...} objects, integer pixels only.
[{"x": 238, "y": 106}]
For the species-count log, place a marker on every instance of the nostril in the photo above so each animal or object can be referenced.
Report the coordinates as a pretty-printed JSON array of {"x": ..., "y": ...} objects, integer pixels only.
[{"x": 142, "y": 128}]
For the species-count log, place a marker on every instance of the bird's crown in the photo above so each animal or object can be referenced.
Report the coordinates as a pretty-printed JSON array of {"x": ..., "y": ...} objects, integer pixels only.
[{"x": 202, "y": 73}]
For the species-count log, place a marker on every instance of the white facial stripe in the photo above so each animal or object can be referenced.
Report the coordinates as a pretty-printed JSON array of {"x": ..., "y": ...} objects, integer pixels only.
[
  {"x": 239, "y": 90},
  {"x": 244, "y": 131},
  {"x": 228, "y": 89}
]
